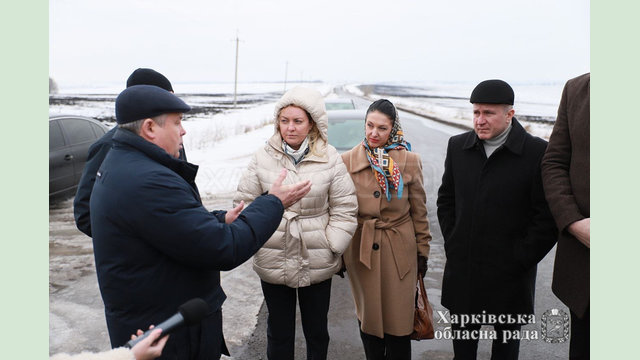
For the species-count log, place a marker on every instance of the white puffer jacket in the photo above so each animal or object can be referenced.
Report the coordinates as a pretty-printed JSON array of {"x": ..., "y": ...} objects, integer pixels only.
[{"x": 314, "y": 232}]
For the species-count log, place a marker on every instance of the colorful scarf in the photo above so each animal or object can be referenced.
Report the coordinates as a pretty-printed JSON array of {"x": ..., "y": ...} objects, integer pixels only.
[{"x": 384, "y": 168}]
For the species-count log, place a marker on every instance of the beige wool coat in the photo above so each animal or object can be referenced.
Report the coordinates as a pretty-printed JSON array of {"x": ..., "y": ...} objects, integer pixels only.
[
  {"x": 314, "y": 232},
  {"x": 382, "y": 258}
]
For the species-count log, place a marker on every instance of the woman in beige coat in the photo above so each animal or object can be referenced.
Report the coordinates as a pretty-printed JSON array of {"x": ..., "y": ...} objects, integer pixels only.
[
  {"x": 305, "y": 251},
  {"x": 391, "y": 243}
]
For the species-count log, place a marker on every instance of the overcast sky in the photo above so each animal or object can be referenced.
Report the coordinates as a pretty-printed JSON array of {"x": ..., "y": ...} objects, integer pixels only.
[{"x": 336, "y": 41}]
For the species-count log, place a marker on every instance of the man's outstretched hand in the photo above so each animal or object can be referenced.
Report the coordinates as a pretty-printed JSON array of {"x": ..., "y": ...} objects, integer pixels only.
[{"x": 289, "y": 194}]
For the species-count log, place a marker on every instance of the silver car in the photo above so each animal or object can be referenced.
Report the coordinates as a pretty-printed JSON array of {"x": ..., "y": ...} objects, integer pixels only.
[
  {"x": 339, "y": 104},
  {"x": 346, "y": 128}
]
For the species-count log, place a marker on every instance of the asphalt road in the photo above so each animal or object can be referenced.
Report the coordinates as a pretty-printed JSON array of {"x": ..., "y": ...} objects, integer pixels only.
[{"x": 429, "y": 139}]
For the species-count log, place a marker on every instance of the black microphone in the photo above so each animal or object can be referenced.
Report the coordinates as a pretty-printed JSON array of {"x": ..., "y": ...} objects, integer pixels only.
[{"x": 189, "y": 313}]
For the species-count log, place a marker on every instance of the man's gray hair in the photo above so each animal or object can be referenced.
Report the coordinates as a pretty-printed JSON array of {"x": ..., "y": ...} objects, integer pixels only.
[{"x": 135, "y": 126}]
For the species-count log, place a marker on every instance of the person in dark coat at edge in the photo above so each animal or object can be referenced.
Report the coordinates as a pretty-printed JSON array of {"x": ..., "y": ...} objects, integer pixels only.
[
  {"x": 565, "y": 173},
  {"x": 496, "y": 224},
  {"x": 155, "y": 245},
  {"x": 98, "y": 151}
]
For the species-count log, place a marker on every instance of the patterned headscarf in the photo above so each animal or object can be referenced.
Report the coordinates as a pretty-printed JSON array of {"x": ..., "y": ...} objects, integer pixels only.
[{"x": 384, "y": 168}]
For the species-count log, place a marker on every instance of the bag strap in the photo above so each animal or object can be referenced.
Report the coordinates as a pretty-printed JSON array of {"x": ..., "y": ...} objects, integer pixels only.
[{"x": 422, "y": 294}]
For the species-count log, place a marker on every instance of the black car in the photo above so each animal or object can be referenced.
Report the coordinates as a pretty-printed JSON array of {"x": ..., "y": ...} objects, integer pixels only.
[
  {"x": 346, "y": 128},
  {"x": 69, "y": 139}
]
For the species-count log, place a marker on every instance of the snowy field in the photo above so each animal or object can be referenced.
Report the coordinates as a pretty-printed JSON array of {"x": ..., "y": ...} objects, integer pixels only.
[{"x": 220, "y": 138}]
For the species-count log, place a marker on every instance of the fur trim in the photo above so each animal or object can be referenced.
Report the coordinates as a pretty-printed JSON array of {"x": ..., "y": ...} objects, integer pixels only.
[
  {"x": 114, "y": 354},
  {"x": 309, "y": 99}
]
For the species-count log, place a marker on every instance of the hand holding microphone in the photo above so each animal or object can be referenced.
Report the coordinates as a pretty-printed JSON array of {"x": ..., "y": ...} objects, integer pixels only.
[
  {"x": 150, "y": 347},
  {"x": 189, "y": 313}
]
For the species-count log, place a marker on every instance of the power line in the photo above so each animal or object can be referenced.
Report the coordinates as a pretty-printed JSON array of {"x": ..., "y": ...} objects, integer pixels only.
[{"x": 235, "y": 83}]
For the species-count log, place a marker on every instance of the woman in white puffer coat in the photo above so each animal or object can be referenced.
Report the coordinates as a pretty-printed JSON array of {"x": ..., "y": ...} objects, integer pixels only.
[{"x": 305, "y": 251}]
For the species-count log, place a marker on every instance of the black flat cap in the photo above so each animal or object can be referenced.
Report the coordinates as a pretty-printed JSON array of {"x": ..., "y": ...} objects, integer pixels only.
[
  {"x": 492, "y": 92},
  {"x": 144, "y": 101},
  {"x": 144, "y": 76}
]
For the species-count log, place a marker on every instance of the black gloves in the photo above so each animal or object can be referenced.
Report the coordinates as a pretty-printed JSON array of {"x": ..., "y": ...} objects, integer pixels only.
[{"x": 422, "y": 265}]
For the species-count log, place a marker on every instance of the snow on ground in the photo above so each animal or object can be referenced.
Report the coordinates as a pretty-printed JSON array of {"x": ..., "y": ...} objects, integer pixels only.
[{"x": 223, "y": 144}]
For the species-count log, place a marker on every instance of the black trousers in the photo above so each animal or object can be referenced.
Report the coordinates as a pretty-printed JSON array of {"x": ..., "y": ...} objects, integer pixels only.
[
  {"x": 388, "y": 348},
  {"x": 281, "y": 321},
  {"x": 467, "y": 349},
  {"x": 579, "y": 346}
]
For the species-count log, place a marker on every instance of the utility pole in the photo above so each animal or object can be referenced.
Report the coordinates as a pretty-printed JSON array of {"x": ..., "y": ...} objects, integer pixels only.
[
  {"x": 286, "y": 69},
  {"x": 235, "y": 84}
]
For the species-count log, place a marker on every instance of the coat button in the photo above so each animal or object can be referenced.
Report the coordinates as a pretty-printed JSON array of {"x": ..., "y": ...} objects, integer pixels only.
[
  {"x": 376, "y": 194},
  {"x": 376, "y": 246}
]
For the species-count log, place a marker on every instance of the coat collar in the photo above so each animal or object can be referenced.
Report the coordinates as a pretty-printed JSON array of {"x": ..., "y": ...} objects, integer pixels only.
[
  {"x": 358, "y": 158},
  {"x": 127, "y": 138},
  {"x": 514, "y": 143}
]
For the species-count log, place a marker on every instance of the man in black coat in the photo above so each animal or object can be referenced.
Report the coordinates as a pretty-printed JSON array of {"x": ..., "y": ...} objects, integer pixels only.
[
  {"x": 495, "y": 221},
  {"x": 155, "y": 244},
  {"x": 98, "y": 151}
]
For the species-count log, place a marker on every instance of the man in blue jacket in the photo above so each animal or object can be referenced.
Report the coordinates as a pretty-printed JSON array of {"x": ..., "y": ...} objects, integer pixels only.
[
  {"x": 98, "y": 151},
  {"x": 155, "y": 245}
]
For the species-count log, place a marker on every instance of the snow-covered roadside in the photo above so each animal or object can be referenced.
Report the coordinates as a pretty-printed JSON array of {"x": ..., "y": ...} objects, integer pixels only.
[
  {"x": 222, "y": 160},
  {"x": 222, "y": 144}
]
